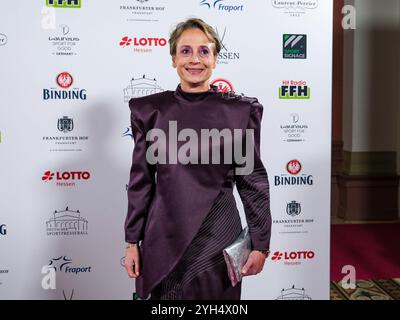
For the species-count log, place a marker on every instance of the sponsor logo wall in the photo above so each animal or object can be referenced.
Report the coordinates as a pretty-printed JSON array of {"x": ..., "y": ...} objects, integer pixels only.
[{"x": 66, "y": 137}]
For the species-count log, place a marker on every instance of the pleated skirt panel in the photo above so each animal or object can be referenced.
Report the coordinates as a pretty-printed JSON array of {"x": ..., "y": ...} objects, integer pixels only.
[{"x": 201, "y": 273}]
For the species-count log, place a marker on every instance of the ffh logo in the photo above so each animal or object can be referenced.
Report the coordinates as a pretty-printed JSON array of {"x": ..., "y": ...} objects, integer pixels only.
[
  {"x": 63, "y": 3},
  {"x": 3, "y": 229},
  {"x": 295, "y": 46},
  {"x": 293, "y": 208},
  {"x": 65, "y": 124},
  {"x": 292, "y": 89}
]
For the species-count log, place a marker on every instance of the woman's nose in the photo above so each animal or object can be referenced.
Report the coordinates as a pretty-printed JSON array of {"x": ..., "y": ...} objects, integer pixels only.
[{"x": 195, "y": 58}]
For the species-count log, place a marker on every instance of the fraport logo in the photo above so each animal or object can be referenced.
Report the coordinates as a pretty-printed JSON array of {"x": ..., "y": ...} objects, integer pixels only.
[
  {"x": 74, "y": 4},
  {"x": 221, "y": 5},
  {"x": 63, "y": 264}
]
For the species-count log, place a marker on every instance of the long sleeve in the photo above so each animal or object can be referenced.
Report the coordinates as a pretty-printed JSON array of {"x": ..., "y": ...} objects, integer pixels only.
[
  {"x": 141, "y": 185},
  {"x": 254, "y": 189}
]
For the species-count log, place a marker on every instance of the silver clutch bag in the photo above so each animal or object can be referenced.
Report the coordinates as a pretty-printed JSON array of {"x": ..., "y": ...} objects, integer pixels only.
[{"x": 236, "y": 256}]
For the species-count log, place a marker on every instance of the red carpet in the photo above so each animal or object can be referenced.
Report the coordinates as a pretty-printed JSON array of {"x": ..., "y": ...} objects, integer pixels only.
[{"x": 373, "y": 249}]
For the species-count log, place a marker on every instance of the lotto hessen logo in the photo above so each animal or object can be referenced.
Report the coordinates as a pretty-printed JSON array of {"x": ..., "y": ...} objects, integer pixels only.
[
  {"x": 142, "y": 44},
  {"x": 291, "y": 89},
  {"x": 294, "y": 46},
  {"x": 293, "y": 257},
  {"x": 63, "y": 3},
  {"x": 222, "y": 85},
  {"x": 66, "y": 178}
]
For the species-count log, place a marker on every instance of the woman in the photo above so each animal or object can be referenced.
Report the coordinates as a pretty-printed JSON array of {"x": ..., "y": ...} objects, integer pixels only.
[{"x": 184, "y": 214}]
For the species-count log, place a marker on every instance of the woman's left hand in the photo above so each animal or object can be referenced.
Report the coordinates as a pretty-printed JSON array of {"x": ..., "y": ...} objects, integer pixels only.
[{"x": 255, "y": 263}]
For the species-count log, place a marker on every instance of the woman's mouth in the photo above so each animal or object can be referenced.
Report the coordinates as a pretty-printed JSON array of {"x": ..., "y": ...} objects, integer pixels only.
[{"x": 194, "y": 71}]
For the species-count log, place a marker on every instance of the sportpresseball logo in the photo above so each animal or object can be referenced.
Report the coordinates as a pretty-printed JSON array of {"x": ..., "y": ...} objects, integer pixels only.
[
  {"x": 294, "y": 46},
  {"x": 74, "y": 4},
  {"x": 66, "y": 223},
  {"x": 65, "y": 178},
  {"x": 140, "y": 87},
  {"x": 293, "y": 293}
]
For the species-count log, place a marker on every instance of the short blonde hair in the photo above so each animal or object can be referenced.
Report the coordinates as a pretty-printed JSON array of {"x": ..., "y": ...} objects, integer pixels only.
[{"x": 194, "y": 23}]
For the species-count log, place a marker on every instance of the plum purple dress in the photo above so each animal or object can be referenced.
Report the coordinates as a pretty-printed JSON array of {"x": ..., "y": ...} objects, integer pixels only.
[{"x": 184, "y": 215}]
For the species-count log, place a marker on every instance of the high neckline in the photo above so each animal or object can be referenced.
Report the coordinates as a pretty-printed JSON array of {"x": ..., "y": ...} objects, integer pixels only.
[{"x": 193, "y": 96}]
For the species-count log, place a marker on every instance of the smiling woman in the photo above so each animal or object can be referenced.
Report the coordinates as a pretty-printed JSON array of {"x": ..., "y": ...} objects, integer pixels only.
[
  {"x": 194, "y": 54},
  {"x": 182, "y": 214}
]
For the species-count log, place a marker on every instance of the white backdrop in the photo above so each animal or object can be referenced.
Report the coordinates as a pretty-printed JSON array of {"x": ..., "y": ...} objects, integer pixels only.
[{"x": 74, "y": 226}]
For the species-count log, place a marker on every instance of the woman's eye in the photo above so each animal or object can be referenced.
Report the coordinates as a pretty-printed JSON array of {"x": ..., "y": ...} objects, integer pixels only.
[
  {"x": 185, "y": 51},
  {"x": 204, "y": 52}
]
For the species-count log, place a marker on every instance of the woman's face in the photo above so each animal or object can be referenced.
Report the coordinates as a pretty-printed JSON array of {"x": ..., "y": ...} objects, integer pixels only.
[{"x": 194, "y": 60}]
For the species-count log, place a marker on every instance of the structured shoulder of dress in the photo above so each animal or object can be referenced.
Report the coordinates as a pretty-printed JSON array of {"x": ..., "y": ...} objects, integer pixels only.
[
  {"x": 143, "y": 107},
  {"x": 151, "y": 98},
  {"x": 233, "y": 96}
]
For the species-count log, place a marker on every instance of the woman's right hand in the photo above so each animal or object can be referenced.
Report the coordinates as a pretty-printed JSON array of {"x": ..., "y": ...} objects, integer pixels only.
[{"x": 132, "y": 263}]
